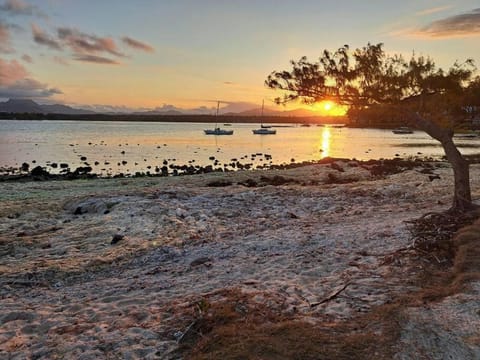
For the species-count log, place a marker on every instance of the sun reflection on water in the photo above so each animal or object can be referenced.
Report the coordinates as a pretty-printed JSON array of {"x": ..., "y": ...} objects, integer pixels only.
[{"x": 326, "y": 138}]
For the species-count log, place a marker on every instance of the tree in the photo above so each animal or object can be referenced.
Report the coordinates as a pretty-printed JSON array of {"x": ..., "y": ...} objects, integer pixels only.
[{"x": 416, "y": 90}]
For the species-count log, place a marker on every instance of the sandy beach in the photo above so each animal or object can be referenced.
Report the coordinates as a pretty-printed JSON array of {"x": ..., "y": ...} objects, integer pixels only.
[{"x": 127, "y": 268}]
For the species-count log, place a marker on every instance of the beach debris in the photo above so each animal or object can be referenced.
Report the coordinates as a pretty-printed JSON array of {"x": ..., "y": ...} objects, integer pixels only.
[{"x": 337, "y": 291}]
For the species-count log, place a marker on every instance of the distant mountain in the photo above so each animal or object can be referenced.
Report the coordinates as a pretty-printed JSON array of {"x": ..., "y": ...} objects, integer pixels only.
[
  {"x": 30, "y": 106},
  {"x": 20, "y": 106},
  {"x": 64, "y": 109},
  {"x": 156, "y": 112}
]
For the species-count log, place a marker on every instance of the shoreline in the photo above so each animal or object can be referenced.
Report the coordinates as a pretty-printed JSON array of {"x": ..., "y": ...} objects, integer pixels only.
[
  {"x": 41, "y": 173},
  {"x": 130, "y": 267}
]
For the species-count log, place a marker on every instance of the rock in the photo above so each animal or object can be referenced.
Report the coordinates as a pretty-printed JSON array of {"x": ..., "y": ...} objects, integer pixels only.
[
  {"x": 39, "y": 171},
  {"x": 116, "y": 238},
  {"x": 90, "y": 206},
  {"x": 219, "y": 183},
  {"x": 200, "y": 261}
]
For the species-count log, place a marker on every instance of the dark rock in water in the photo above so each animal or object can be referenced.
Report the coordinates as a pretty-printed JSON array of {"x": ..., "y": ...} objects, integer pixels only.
[
  {"x": 82, "y": 170},
  {"x": 54, "y": 165},
  {"x": 25, "y": 167},
  {"x": 116, "y": 238},
  {"x": 83, "y": 158},
  {"x": 78, "y": 211},
  {"x": 39, "y": 171},
  {"x": 63, "y": 165}
]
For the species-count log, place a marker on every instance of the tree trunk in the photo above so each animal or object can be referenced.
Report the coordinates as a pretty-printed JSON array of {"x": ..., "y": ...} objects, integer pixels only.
[{"x": 462, "y": 198}]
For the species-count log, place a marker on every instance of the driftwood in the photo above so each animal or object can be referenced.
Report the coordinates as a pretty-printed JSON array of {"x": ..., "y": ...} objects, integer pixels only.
[{"x": 331, "y": 296}]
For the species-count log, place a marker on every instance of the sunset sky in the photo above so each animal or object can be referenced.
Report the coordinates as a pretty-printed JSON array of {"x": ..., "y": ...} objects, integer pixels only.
[{"x": 144, "y": 54}]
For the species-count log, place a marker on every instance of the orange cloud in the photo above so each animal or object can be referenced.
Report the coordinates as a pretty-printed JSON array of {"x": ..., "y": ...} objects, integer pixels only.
[
  {"x": 11, "y": 71},
  {"x": 82, "y": 43},
  {"x": 14, "y": 82},
  {"x": 462, "y": 25},
  {"x": 137, "y": 44},
  {"x": 42, "y": 38},
  {"x": 433, "y": 10},
  {"x": 95, "y": 59}
]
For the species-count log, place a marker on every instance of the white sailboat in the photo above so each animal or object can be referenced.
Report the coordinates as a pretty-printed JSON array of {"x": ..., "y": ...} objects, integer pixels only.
[
  {"x": 217, "y": 130},
  {"x": 264, "y": 129}
]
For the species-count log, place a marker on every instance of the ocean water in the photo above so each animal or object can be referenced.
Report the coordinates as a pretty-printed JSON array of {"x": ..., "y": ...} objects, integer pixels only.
[{"x": 113, "y": 147}]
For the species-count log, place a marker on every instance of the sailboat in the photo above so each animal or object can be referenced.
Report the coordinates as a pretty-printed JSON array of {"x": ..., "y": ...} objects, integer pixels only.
[
  {"x": 217, "y": 130},
  {"x": 264, "y": 130}
]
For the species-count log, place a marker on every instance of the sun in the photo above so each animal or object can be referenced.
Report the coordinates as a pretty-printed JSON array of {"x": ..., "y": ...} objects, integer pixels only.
[
  {"x": 327, "y": 105},
  {"x": 329, "y": 108}
]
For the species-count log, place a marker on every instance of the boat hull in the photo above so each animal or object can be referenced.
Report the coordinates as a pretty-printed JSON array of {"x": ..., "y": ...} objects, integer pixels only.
[
  {"x": 264, "y": 131},
  {"x": 218, "y": 131},
  {"x": 402, "y": 130}
]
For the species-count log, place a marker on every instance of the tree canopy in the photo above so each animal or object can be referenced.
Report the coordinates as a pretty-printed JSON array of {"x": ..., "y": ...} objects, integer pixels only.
[
  {"x": 435, "y": 100},
  {"x": 369, "y": 76}
]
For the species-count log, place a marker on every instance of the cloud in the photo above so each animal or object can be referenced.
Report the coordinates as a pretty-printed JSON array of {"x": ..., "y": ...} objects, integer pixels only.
[
  {"x": 82, "y": 43},
  {"x": 5, "y": 45},
  {"x": 462, "y": 25},
  {"x": 95, "y": 59},
  {"x": 85, "y": 47},
  {"x": 15, "y": 83},
  {"x": 137, "y": 44},
  {"x": 28, "y": 88},
  {"x": 27, "y": 58},
  {"x": 42, "y": 38},
  {"x": 11, "y": 72},
  {"x": 20, "y": 7},
  {"x": 433, "y": 10},
  {"x": 60, "y": 60}
]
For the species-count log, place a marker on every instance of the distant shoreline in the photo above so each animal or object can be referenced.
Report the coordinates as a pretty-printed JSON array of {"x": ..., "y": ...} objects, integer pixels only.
[{"x": 179, "y": 118}]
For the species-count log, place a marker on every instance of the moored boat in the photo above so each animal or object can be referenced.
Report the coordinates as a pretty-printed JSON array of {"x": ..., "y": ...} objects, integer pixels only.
[
  {"x": 264, "y": 129},
  {"x": 402, "y": 130},
  {"x": 217, "y": 130}
]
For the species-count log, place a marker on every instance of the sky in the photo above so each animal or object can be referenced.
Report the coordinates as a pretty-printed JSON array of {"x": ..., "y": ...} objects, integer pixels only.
[{"x": 188, "y": 54}]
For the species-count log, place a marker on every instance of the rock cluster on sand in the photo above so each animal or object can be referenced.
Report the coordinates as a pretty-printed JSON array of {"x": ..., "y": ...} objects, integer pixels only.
[{"x": 106, "y": 268}]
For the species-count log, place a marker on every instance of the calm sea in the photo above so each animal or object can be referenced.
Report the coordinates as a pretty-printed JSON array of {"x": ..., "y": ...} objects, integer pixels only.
[{"x": 125, "y": 147}]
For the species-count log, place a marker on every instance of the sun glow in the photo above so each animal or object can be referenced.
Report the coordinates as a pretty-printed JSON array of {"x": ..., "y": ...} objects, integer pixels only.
[
  {"x": 327, "y": 105},
  {"x": 329, "y": 108}
]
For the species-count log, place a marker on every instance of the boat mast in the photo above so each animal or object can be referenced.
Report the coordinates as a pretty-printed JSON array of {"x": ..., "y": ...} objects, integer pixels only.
[
  {"x": 261, "y": 118},
  {"x": 216, "y": 115}
]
